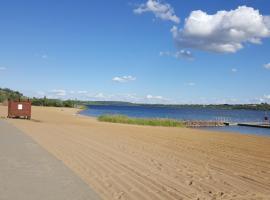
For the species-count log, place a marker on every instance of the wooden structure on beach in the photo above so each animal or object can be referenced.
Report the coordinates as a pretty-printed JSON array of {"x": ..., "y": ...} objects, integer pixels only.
[{"x": 19, "y": 108}]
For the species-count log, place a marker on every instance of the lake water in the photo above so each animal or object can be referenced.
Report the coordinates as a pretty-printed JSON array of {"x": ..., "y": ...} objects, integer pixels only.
[{"x": 186, "y": 113}]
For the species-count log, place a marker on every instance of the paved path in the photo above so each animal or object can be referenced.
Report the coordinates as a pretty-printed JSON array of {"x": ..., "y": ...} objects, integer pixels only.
[{"x": 28, "y": 172}]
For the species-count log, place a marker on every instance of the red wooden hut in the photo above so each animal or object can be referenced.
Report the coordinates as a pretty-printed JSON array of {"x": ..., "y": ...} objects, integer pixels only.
[{"x": 19, "y": 108}]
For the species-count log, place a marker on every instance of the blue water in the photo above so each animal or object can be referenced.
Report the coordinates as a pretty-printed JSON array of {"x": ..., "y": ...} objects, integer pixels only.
[{"x": 187, "y": 114}]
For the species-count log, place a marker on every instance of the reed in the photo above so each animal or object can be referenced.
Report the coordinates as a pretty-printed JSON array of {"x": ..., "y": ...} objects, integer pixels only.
[{"x": 140, "y": 121}]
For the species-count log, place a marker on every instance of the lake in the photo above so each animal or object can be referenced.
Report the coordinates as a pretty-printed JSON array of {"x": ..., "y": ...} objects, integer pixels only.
[{"x": 186, "y": 113}]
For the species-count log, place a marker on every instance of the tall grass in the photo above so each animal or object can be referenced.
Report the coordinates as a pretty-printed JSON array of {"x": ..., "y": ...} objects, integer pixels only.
[{"x": 140, "y": 121}]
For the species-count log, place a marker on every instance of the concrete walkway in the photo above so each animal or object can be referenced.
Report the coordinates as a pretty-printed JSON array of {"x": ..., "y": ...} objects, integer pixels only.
[{"x": 28, "y": 172}]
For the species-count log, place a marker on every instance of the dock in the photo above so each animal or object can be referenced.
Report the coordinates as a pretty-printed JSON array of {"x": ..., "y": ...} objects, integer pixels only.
[
  {"x": 249, "y": 124},
  {"x": 196, "y": 124},
  {"x": 256, "y": 125}
]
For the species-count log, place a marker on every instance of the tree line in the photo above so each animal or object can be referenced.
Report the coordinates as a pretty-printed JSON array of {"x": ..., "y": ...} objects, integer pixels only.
[{"x": 6, "y": 94}]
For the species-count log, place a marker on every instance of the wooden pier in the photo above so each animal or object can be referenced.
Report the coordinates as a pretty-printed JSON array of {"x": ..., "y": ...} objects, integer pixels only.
[
  {"x": 256, "y": 125},
  {"x": 194, "y": 124},
  {"x": 249, "y": 124}
]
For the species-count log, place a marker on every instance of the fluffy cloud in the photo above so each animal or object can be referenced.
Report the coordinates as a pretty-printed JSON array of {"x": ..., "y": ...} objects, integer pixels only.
[
  {"x": 267, "y": 96},
  {"x": 267, "y": 66},
  {"x": 163, "y": 11},
  {"x": 234, "y": 70},
  {"x": 179, "y": 54},
  {"x": 3, "y": 68},
  {"x": 58, "y": 92},
  {"x": 184, "y": 54},
  {"x": 223, "y": 32},
  {"x": 155, "y": 99},
  {"x": 124, "y": 79},
  {"x": 149, "y": 96},
  {"x": 263, "y": 99},
  {"x": 100, "y": 96}
]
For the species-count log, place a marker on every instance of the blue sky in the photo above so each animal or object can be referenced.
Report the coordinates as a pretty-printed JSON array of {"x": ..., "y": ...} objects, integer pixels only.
[{"x": 139, "y": 50}]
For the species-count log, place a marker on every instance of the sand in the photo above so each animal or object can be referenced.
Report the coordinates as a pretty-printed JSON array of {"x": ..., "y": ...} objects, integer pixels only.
[{"x": 137, "y": 162}]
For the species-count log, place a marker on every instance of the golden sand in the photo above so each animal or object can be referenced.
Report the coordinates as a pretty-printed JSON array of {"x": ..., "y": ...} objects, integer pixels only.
[{"x": 138, "y": 162}]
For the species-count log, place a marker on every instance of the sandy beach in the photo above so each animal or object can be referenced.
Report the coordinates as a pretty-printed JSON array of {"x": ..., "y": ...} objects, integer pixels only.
[{"x": 138, "y": 162}]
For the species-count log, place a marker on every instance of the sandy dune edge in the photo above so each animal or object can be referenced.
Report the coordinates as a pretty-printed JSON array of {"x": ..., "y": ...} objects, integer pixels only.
[{"x": 135, "y": 162}]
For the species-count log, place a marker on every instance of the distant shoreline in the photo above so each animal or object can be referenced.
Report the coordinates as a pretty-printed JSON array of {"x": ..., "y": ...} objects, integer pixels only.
[{"x": 262, "y": 107}]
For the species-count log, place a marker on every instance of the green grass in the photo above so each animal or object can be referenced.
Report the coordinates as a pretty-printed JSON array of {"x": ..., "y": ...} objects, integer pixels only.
[{"x": 140, "y": 121}]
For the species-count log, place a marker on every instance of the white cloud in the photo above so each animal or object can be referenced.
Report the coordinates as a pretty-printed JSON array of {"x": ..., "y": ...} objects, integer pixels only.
[
  {"x": 267, "y": 66},
  {"x": 179, "y": 54},
  {"x": 124, "y": 79},
  {"x": 100, "y": 95},
  {"x": 58, "y": 92},
  {"x": 234, "y": 70},
  {"x": 267, "y": 96},
  {"x": 224, "y": 32},
  {"x": 82, "y": 92},
  {"x": 3, "y": 68},
  {"x": 263, "y": 99},
  {"x": 72, "y": 94},
  {"x": 161, "y": 10},
  {"x": 184, "y": 54},
  {"x": 165, "y": 53},
  {"x": 155, "y": 99},
  {"x": 149, "y": 96}
]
